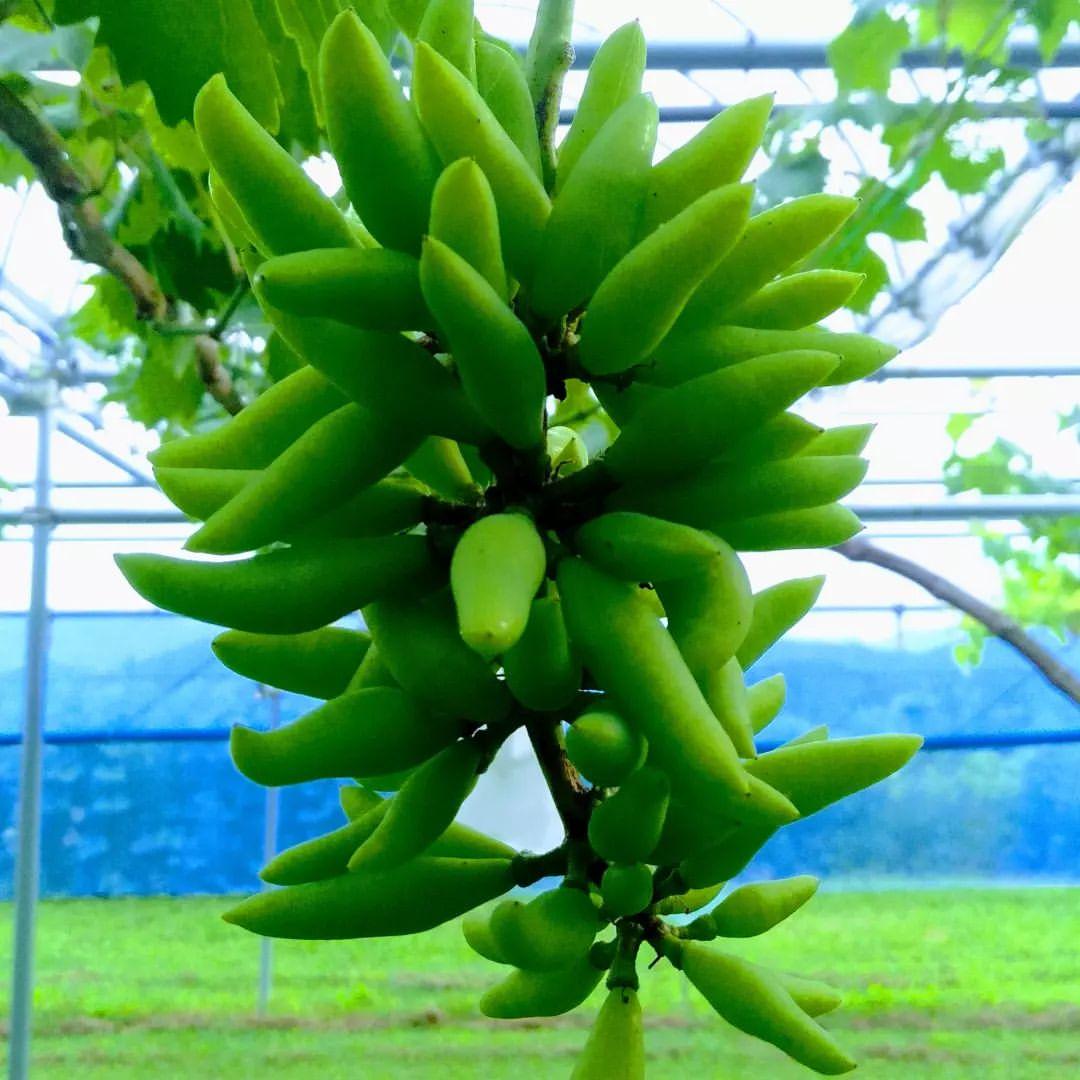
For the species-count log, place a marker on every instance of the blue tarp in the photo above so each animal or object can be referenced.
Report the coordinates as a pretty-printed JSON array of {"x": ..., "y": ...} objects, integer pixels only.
[{"x": 175, "y": 817}]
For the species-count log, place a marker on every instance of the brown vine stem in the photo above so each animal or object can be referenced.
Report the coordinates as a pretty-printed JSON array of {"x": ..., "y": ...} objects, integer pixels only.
[
  {"x": 570, "y": 797},
  {"x": 88, "y": 238},
  {"x": 997, "y": 622}
]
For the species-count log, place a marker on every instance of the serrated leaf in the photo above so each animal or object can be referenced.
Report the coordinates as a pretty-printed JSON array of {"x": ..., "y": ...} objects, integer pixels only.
[
  {"x": 298, "y": 124},
  {"x": 959, "y": 423},
  {"x": 166, "y": 386},
  {"x": 887, "y": 210},
  {"x": 198, "y": 273},
  {"x": 175, "y": 48},
  {"x": 979, "y": 27},
  {"x": 864, "y": 54},
  {"x": 1052, "y": 19},
  {"x": 963, "y": 171},
  {"x": 108, "y": 316},
  {"x": 792, "y": 174}
]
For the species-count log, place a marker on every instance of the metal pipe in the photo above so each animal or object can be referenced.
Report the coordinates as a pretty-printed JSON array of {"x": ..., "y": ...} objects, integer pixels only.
[
  {"x": 94, "y": 517},
  {"x": 949, "y": 741},
  {"x": 986, "y": 508},
  {"x": 997, "y": 740},
  {"x": 270, "y": 834},
  {"x": 807, "y": 56},
  {"x": 983, "y": 371},
  {"x": 27, "y": 861},
  {"x": 704, "y": 112},
  {"x": 145, "y": 479}
]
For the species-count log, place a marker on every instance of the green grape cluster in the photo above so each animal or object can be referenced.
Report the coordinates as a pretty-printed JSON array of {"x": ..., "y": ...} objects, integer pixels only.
[{"x": 423, "y": 465}]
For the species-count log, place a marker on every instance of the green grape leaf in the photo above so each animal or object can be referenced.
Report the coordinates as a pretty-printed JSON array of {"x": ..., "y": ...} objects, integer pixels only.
[
  {"x": 793, "y": 173},
  {"x": 965, "y": 172},
  {"x": 864, "y": 54},
  {"x": 108, "y": 316},
  {"x": 1052, "y": 19},
  {"x": 959, "y": 423},
  {"x": 165, "y": 386},
  {"x": 905, "y": 223},
  {"x": 978, "y": 28},
  {"x": 298, "y": 124},
  {"x": 175, "y": 48},
  {"x": 886, "y": 210},
  {"x": 197, "y": 272}
]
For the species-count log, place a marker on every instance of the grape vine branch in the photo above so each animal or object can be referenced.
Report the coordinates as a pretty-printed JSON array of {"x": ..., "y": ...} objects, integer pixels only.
[{"x": 89, "y": 239}]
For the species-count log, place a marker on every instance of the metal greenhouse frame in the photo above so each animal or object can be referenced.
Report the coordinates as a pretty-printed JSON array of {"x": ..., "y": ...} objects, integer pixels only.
[{"x": 42, "y": 517}]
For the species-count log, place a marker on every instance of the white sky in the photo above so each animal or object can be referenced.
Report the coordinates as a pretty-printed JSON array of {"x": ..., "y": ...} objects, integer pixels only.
[{"x": 1024, "y": 311}]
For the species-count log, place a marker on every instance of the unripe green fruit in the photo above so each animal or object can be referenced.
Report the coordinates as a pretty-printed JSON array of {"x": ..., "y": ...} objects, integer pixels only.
[
  {"x": 476, "y": 928},
  {"x": 541, "y": 668},
  {"x": 627, "y": 889},
  {"x": 497, "y": 567},
  {"x": 626, "y": 826},
  {"x": 604, "y": 748},
  {"x": 547, "y": 933},
  {"x": 541, "y": 993},
  {"x": 615, "y": 1049}
]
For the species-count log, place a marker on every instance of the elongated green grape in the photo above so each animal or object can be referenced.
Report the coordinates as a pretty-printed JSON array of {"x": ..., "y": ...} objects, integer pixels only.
[
  {"x": 406, "y": 900},
  {"x": 500, "y": 79},
  {"x": 497, "y": 567},
  {"x": 500, "y": 367},
  {"x": 465, "y": 218},
  {"x": 614, "y": 77},
  {"x": 716, "y": 155},
  {"x": 279, "y": 204},
  {"x": 639, "y": 301},
  {"x": 616, "y": 1044},
  {"x": 257, "y": 435},
  {"x": 319, "y": 663},
  {"x": 386, "y": 162},
  {"x": 282, "y": 592},
  {"x": 594, "y": 222}
]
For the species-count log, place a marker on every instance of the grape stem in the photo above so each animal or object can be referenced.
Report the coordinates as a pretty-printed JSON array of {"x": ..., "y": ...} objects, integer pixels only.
[
  {"x": 567, "y": 792},
  {"x": 529, "y": 869},
  {"x": 546, "y": 64},
  {"x": 623, "y": 972}
]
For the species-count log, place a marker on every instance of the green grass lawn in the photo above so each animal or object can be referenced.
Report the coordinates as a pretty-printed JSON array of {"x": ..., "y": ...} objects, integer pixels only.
[{"x": 940, "y": 984}]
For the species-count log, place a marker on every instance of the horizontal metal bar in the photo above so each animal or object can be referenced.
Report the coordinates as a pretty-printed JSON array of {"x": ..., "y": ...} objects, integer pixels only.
[
  {"x": 818, "y": 609},
  {"x": 90, "y": 485},
  {"x": 806, "y": 56},
  {"x": 995, "y": 740},
  {"x": 703, "y": 113},
  {"x": 986, "y": 508},
  {"x": 989, "y": 507},
  {"x": 30, "y": 516},
  {"x": 982, "y": 371},
  {"x": 88, "y": 442}
]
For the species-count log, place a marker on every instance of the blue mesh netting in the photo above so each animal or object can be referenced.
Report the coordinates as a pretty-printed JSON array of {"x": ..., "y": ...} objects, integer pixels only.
[{"x": 175, "y": 817}]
